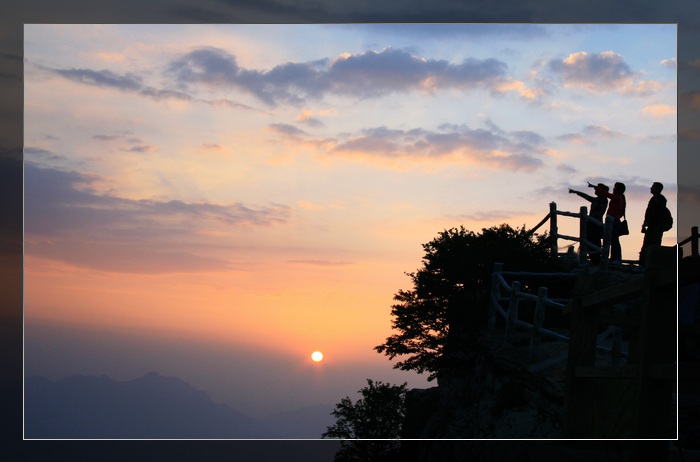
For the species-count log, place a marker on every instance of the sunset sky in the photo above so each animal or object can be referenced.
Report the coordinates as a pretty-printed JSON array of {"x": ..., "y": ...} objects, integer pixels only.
[{"x": 217, "y": 202}]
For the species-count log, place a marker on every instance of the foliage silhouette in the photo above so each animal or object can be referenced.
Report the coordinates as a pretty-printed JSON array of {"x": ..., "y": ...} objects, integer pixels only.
[
  {"x": 379, "y": 414},
  {"x": 449, "y": 294}
]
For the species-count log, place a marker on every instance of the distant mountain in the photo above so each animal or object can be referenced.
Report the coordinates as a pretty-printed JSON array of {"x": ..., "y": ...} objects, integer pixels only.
[
  {"x": 304, "y": 423},
  {"x": 150, "y": 407}
]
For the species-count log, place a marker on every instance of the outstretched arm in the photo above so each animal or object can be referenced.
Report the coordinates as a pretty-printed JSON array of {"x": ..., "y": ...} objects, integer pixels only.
[{"x": 584, "y": 195}]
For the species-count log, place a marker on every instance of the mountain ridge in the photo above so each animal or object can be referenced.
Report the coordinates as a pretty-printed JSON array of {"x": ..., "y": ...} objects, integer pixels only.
[{"x": 148, "y": 407}]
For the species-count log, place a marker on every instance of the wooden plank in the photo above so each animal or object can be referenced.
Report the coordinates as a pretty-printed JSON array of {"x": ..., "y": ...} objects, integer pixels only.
[
  {"x": 609, "y": 294},
  {"x": 613, "y": 372}
]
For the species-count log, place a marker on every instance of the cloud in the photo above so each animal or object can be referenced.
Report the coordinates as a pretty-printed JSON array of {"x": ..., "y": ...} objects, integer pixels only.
[
  {"x": 669, "y": 63},
  {"x": 366, "y": 75},
  {"x": 306, "y": 117},
  {"x": 566, "y": 169},
  {"x": 42, "y": 153},
  {"x": 575, "y": 138},
  {"x": 286, "y": 130},
  {"x": 605, "y": 71},
  {"x": 159, "y": 95},
  {"x": 533, "y": 94},
  {"x": 601, "y": 131},
  {"x": 229, "y": 103},
  {"x": 103, "y": 78},
  {"x": 590, "y": 131},
  {"x": 107, "y": 137},
  {"x": 37, "y": 151},
  {"x": 66, "y": 218},
  {"x": 659, "y": 110},
  {"x": 144, "y": 148},
  {"x": 128, "y": 82},
  {"x": 453, "y": 143}
]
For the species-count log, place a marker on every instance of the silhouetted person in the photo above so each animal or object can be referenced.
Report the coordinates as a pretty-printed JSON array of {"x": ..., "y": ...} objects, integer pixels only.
[
  {"x": 598, "y": 205},
  {"x": 616, "y": 209},
  {"x": 654, "y": 223}
]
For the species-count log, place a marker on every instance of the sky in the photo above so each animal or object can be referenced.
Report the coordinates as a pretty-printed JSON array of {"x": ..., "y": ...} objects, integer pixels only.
[{"x": 216, "y": 202}]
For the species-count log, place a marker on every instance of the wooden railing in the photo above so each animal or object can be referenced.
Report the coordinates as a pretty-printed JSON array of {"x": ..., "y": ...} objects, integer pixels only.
[
  {"x": 514, "y": 296},
  {"x": 585, "y": 245}
]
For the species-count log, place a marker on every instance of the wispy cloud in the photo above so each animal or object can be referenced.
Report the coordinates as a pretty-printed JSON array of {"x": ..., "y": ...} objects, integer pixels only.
[
  {"x": 453, "y": 143},
  {"x": 143, "y": 148},
  {"x": 103, "y": 78},
  {"x": 63, "y": 208},
  {"x": 591, "y": 131}
]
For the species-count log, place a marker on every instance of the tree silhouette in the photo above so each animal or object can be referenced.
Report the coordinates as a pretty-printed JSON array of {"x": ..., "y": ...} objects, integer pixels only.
[
  {"x": 449, "y": 293},
  {"x": 379, "y": 414}
]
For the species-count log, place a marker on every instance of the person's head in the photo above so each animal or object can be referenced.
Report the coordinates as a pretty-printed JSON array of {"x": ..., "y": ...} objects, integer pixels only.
[
  {"x": 619, "y": 188},
  {"x": 601, "y": 186},
  {"x": 656, "y": 188}
]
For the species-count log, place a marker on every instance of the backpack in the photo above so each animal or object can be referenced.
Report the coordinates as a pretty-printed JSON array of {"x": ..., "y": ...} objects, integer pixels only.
[{"x": 666, "y": 219}]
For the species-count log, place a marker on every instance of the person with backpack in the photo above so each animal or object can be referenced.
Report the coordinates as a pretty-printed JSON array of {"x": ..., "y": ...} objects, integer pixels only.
[{"x": 657, "y": 220}]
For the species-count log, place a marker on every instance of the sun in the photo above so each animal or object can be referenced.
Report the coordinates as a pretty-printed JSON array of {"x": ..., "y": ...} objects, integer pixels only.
[{"x": 317, "y": 356}]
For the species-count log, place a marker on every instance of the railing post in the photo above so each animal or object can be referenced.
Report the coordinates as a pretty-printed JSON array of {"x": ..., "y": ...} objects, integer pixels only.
[
  {"x": 583, "y": 235},
  {"x": 495, "y": 294},
  {"x": 694, "y": 241},
  {"x": 553, "y": 229},
  {"x": 537, "y": 323},
  {"x": 607, "y": 237},
  {"x": 512, "y": 313}
]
